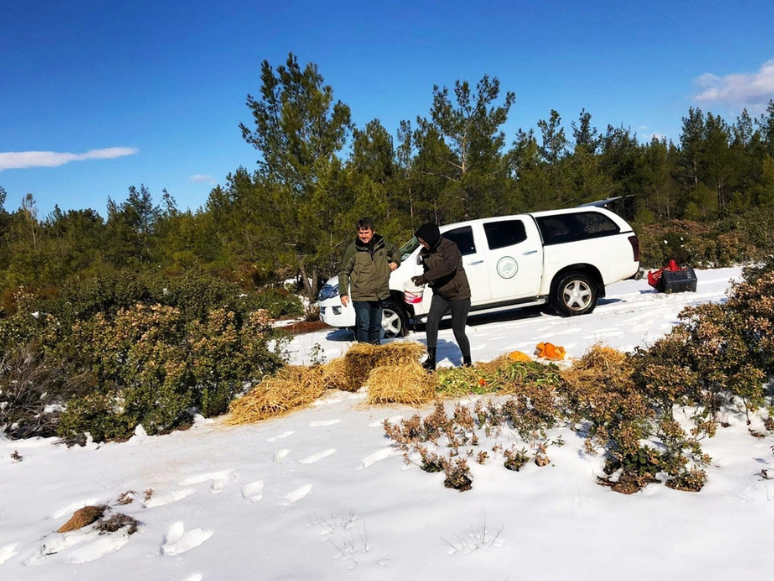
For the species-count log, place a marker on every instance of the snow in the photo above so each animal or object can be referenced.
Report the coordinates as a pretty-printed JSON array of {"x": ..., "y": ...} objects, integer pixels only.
[{"x": 322, "y": 495}]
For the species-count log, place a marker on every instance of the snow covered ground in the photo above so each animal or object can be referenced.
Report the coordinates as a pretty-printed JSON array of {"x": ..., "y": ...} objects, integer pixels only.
[{"x": 321, "y": 495}]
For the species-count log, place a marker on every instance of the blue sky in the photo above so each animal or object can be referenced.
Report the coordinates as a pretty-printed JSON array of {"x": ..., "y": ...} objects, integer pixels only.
[{"x": 99, "y": 95}]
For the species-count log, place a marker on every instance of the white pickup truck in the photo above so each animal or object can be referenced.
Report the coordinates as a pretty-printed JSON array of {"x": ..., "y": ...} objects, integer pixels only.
[{"x": 562, "y": 257}]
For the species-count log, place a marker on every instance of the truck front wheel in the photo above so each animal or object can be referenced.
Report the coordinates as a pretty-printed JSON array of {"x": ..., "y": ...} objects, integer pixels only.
[
  {"x": 394, "y": 319},
  {"x": 576, "y": 294}
]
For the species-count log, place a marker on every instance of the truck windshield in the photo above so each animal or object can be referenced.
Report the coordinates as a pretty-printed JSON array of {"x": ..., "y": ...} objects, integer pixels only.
[{"x": 405, "y": 251}]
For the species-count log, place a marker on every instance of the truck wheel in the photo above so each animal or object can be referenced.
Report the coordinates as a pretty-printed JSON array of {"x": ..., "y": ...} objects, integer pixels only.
[
  {"x": 576, "y": 294},
  {"x": 394, "y": 319}
]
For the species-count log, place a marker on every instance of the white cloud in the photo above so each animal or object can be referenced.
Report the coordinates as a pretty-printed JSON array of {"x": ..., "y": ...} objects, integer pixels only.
[
  {"x": 201, "y": 179},
  {"x": 739, "y": 89},
  {"x": 27, "y": 159}
]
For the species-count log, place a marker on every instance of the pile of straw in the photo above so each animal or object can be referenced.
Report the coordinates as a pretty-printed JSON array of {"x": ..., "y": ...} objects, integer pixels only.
[
  {"x": 294, "y": 386},
  {"x": 405, "y": 383},
  {"x": 362, "y": 358}
]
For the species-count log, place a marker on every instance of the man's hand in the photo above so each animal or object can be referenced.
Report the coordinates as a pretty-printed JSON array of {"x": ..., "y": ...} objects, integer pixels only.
[
  {"x": 344, "y": 300},
  {"x": 419, "y": 280},
  {"x": 393, "y": 265}
]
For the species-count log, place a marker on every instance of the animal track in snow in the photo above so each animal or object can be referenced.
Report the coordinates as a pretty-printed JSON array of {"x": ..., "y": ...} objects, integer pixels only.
[
  {"x": 253, "y": 490},
  {"x": 375, "y": 457},
  {"x": 296, "y": 495},
  {"x": 319, "y": 456},
  {"x": 177, "y": 541},
  {"x": 323, "y": 423},
  {"x": 282, "y": 435},
  {"x": 279, "y": 456},
  {"x": 99, "y": 548},
  {"x": 8, "y": 551},
  {"x": 169, "y": 498},
  {"x": 218, "y": 479},
  {"x": 71, "y": 508}
]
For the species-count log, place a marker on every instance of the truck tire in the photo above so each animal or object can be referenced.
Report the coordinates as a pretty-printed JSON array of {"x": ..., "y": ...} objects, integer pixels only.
[
  {"x": 394, "y": 319},
  {"x": 576, "y": 294}
]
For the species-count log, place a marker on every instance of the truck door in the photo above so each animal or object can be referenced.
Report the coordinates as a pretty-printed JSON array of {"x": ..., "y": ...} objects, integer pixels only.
[
  {"x": 514, "y": 256},
  {"x": 473, "y": 260}
]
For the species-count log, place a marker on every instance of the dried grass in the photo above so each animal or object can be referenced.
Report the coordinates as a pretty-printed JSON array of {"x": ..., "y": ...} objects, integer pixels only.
[
  {"x": 291, "y": 388},
  {"x": 406, "y": 383},
  {"x": 600, "y": 365},
  {"x": 362, "y": 358},
  {"x": 294, "y": 387}
]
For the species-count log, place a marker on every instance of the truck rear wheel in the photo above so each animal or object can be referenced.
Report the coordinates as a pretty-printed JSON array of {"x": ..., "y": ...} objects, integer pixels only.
[{"x": 576, "y": 294}]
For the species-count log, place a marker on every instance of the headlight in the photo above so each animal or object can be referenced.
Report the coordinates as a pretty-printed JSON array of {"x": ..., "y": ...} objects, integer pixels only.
[{"x": 328, "y": 292}]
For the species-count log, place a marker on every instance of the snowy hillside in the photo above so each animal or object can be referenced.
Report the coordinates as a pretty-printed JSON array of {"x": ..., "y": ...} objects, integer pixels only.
[{"x": 321, "y": 494}]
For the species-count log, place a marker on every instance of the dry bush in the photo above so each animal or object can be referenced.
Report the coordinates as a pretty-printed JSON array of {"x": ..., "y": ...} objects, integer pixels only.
[
  {"x": 408, "y": 383},
  {"x": 117, "y": 522}
]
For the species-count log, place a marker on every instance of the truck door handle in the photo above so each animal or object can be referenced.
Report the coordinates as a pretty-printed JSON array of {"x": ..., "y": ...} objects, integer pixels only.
[
  {"x": 529, "y": 252},
  {"x": 479, "y": 262}
]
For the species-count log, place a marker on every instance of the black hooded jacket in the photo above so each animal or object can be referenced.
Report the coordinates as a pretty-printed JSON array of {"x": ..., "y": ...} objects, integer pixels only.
[{"x": 443, "y": 265}]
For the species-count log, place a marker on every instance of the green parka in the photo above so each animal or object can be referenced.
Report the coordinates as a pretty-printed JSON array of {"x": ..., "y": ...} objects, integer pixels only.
[{"x": 364, "y": 274}]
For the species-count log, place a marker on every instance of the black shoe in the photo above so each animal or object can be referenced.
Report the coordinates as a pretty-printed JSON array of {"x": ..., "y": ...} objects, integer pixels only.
[
  {"x": 466, "y": 362},
  {"x": 429, "y": 363}
]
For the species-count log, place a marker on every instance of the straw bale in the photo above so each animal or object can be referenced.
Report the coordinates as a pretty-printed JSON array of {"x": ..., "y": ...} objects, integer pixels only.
[
  {"x": 364, "y": 357},
  {"x": 407, "y": 383},
  {"x": 335, "y": 374},
  {"x": 291, "y": 388}
]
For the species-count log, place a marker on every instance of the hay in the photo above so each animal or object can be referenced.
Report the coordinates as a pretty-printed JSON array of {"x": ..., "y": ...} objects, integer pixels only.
[
  {"x": 601, "y": 367},
  {"x": 294, "y": 387},
  {"x": 291, "y": 388},
  {"x": 406, "y": 383},
  {"x": 362, "y": 358},
  {"x": 495, "y": 365}
]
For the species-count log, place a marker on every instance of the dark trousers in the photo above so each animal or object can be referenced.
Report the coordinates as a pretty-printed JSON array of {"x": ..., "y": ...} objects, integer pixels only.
[
  {"x": 368, "y": 321},
  {"x": 459, "y": 316}
]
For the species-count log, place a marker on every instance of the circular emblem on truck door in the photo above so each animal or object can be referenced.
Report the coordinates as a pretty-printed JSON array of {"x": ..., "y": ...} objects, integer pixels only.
[{"x": 507, "y": 267}]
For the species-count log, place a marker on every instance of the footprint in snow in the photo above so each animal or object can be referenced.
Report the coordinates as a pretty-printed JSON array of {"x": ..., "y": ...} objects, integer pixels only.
[
  {"x": 177, "y": 541},
  {"x": 194, "y": 577},
  {"x": 279, "y": 456},
  {"x": 296, "y": 495},
  {"x": 282, "y": 435},
  {"x": 7, "y": 552},
  {"x": 168, "y": 498},
  {"x": 253, "y": 490},
  {"x": 99, "y": 548},
  {"x": 323, "y": 423},
  {"x": 218, "y": 479},
  {"x": 56, "y": 544},
  {"x": 319, "y": 456},
  {"x": 375, "y": 457}
]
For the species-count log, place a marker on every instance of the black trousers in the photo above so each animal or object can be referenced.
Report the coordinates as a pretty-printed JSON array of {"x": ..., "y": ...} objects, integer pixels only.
[{"x": 459, "y": 316}]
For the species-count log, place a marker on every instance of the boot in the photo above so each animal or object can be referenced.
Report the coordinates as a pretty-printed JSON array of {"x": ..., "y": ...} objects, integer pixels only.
[
  {"x": 429, "y": 363},
  {"x": 466, "y": 362}
]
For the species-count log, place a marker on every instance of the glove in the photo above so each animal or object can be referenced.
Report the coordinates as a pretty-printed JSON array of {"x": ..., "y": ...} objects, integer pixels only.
[{"x": 419, "y": 280}]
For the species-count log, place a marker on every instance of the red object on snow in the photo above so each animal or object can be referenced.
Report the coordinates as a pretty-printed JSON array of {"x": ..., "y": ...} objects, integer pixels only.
[{"x": 654, "y": 276}]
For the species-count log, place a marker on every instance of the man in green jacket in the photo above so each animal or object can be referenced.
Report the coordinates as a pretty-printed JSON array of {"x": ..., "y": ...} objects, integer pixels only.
[{"x": 364, "y": 276}]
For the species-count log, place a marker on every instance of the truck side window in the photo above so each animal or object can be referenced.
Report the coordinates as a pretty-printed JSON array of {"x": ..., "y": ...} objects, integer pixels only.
[
  {"x": 504, "y": 233},
  {"x": 463, "y": 238},
  {"x": 563, "y": 228}
]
